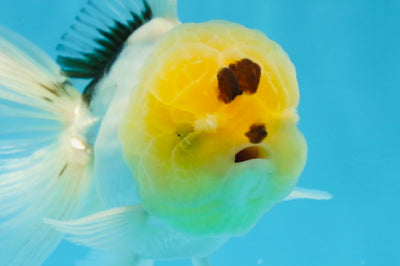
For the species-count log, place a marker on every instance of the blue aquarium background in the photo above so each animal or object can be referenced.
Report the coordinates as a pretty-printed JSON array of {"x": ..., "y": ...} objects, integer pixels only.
[{"x": 347, "y": 56}]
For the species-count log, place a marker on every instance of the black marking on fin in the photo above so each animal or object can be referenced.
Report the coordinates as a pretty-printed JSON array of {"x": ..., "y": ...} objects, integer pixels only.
[
  {"x": 63, "y": 170},
  {"x": 92, "y": 45},
  {"x": 50, "y": 89},
  {"x": 48, "y": 99},
  {"x": 56, "y": 89}
]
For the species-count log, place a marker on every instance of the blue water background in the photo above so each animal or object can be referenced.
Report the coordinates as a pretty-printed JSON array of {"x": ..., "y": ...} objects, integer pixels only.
[{"x": 347, "y": 56}]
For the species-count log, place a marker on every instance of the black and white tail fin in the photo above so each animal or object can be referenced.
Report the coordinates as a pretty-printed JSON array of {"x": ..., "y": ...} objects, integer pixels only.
[{"x": 44, "y": 156}]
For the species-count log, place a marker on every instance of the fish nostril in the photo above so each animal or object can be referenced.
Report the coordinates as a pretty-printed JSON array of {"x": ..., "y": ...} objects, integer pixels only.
[
  {"x": 250, "y": 153},
  {"x": 257, "y": 133}
]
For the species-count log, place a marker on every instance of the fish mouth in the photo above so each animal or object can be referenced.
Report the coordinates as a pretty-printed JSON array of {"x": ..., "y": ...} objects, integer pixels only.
[{"x": 251, "y": 153}]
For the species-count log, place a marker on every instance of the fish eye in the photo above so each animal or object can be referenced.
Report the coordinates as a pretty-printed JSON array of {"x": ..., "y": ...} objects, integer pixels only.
[
  {"x": 184, "y": 129},
  {"x": 257, "y": 133},
  {"x": 240, "y": 77}
]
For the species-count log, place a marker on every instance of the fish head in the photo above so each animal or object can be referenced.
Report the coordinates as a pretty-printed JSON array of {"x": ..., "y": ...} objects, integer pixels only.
[{"x": 211, "y": 133}]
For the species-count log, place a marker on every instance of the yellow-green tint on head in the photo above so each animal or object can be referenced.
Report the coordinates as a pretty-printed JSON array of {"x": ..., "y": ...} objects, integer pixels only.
[{"x": 180, "y": 137}]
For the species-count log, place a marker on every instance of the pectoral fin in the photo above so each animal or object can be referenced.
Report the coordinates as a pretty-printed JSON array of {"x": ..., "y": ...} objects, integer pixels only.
[
  {"x": 100, "y": 258},
  {"x": 113, "y": 231},
  {"x": 131, "y": 233},
  {"x": 201, "y": 262},
  {"x": 304, "y": 193}
]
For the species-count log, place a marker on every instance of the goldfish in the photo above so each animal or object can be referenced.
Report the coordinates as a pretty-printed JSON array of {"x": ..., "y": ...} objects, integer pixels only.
[{"x": 184, "y": 136}]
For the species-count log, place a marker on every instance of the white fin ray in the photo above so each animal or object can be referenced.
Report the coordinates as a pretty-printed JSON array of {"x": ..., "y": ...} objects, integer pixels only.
[
  {"x": 201, "y": 262},
  {"x": 24, "y": 112},
  {"x": 164, "y": 8},
  {"x": 303, "y": 193},
  {"x": 128, "y": 231},
  {"x": 42, "y": 175},
  {"x": 98, "y": 231},
  {"x": 24, "y": 80},
  {"x": 104, "y": 259}
]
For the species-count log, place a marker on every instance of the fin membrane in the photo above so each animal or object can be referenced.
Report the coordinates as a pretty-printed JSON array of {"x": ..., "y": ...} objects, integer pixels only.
[
  {"x": 116, "y": 231},
  {"x": 115, "y": 235},
  {"x": 93, "y": 43},
  {"x": 304, "y": 193},
  {"x": 99, "y": 258},
  {"x": 201, "y": 262},
  {"x": 44, "y": 162},
  {"x": 127, "y": 231}
]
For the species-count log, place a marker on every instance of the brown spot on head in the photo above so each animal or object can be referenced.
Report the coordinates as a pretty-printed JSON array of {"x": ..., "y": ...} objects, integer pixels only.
[
  {"x": 228, "y": 86},
  {"x": 248, "y": 75},
  {"x": 257, "y": 133}
]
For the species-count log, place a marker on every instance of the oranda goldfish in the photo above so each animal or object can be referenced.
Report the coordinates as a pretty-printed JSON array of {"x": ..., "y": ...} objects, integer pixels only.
[{"x": 185, "y": 135}]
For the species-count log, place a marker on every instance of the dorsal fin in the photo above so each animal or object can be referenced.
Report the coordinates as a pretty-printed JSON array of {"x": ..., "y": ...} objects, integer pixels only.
[
  {"x": 93, "y": 43},
  {"x": 164, "y": 8}
]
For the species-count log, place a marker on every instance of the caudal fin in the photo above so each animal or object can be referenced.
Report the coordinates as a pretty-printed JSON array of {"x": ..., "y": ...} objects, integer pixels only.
[{"x": 44, "y": 158}]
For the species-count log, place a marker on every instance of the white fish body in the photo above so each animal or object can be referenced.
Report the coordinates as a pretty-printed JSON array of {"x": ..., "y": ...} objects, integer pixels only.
[
  {"x": 112, "y": 104},
  {"x": 153, "y": 239}
]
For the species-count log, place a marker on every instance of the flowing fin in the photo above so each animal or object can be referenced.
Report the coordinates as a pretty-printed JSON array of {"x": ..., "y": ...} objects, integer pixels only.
[
  {"x": 120, "y": 231},
  {"x": 201, "y": 262},
  {"x": 44, "y": 159},
  {"x": 99, "y": 258},
  {"x": 109, "y": 230},
  {"x": 127, "y": 231},
  {"x": 303, "y": 193},
  {"x": 164, "y": 8},
  {"x": 114, "y": 235}
]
